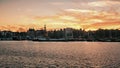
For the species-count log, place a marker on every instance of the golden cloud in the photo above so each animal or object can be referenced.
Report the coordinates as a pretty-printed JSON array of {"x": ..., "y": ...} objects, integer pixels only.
[
  {"x": 74, "y": 18},
  {"x": 103, "y": 3},
  {"x": 83, "y": 18},
  {"x": 103, "y": 25}
]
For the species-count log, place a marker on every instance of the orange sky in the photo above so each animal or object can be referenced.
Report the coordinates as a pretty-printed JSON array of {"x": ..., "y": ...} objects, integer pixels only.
[{"x": 20, "y": 15}]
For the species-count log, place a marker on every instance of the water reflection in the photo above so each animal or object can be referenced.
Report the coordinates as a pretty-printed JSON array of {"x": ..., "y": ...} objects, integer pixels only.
[{"x": 59, "y": 54}]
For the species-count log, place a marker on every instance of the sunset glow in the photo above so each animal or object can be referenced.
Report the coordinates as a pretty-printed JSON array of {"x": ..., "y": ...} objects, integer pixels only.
[{"x": 20, "y": 15}]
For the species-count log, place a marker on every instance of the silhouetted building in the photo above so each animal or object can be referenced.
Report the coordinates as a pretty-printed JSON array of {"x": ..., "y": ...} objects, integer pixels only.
[
  {"x": 31, "y": 33},
  {"x": 68, "y": 33},
  {"x": 6, "y": 35},
  {"x": 39, "y": 33}
]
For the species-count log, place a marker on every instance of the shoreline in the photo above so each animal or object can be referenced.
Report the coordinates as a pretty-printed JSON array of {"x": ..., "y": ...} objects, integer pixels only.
[{"x": 63, "y": 40}]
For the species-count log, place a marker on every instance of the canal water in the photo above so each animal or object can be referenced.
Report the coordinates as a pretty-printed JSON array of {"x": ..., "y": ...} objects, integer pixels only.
[{"x": 29, "y": 54}]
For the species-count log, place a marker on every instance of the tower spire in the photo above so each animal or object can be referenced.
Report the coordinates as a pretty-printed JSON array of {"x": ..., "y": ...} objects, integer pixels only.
[{"x": 44, "y": 27}]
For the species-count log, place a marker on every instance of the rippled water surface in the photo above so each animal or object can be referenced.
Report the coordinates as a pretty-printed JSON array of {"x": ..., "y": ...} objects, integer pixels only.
[{"x": 28, "y": 54}]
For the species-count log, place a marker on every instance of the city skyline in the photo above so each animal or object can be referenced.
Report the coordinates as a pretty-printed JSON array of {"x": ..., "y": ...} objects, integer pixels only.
[{"x": 20, "y": 15}]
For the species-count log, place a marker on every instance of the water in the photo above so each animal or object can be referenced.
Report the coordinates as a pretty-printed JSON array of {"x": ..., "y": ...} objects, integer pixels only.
[{"x": 28, "y": 54}]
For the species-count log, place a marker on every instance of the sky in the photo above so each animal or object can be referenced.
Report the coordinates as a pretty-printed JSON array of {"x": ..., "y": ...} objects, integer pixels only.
[{"x": 20, "y": 15}]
